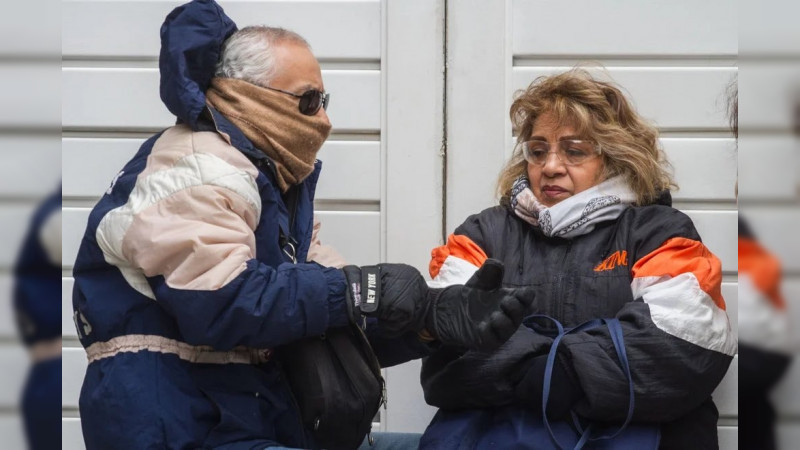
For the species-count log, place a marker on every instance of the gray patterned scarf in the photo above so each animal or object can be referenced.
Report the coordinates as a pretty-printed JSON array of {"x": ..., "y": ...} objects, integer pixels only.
[{"x": 576, "y": 215}]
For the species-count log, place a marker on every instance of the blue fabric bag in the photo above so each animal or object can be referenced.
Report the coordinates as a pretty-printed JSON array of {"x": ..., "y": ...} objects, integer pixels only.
[
  {"x": 590, "y": 436},
  {"x": 515, "y": 427}
]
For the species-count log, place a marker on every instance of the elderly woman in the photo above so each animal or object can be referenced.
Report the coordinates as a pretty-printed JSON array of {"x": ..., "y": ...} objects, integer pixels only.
[{"x": 585, "y": 219}]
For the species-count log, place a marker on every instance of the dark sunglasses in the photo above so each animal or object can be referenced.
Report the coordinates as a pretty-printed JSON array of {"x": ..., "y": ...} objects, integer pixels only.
[{"x": 310, "y": 101}]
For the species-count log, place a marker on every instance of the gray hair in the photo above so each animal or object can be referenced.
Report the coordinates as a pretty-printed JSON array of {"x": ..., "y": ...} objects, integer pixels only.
[{"x": 248, "y": 53}]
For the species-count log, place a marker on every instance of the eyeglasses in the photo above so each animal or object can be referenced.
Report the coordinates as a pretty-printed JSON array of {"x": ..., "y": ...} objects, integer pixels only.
[
  {"x": 570, "y": 152},
  {"x": 310, "y": 101}
]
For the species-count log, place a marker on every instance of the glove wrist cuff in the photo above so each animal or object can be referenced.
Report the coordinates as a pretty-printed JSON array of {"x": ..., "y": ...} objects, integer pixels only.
[
  {"x": 370, "y": 290},
  {"x": 428, "y": 320},
  {"x": 352, "y": 275}
]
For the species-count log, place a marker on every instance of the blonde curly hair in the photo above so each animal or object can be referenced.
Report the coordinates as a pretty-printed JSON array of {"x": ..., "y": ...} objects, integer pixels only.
[{"x": 599, "y": 112}]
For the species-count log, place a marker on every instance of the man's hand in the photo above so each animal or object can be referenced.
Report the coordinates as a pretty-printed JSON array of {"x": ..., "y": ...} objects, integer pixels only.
[
  {"x": 394, "y": 293},
  {"x": 479, "y": 315}
]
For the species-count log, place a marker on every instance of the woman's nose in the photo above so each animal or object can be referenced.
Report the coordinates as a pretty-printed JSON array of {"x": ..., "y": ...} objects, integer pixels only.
[{"x": 553, "y": 164}]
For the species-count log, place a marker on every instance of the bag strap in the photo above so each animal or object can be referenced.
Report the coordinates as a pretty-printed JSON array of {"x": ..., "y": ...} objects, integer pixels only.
[
  {"x": 286, "y": 241},
  {"x": 617, "y": 338}
]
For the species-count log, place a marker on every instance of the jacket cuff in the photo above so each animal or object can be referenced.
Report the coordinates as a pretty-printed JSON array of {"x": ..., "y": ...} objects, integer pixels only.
[{"x": 338, "y": 313}]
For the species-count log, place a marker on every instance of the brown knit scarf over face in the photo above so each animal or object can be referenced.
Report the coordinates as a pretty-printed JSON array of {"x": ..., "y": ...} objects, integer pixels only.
[{"x": 274, "y": 124}]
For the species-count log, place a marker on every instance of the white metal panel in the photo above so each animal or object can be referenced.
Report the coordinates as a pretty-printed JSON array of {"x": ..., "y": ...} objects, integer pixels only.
[
  {"x": 31, "y": 165},
  {"x": 30, "y": 98},
  {"x": 705, "y": 169},
  {"x": 127, "y": 98},
  {"x": 73, "y": 366},
  {"x": 770, "y": 28},
  {"x": 787, "y": 434},
  {"x": 479, "y": 57},
  {"x": 7, "y": 327},
  {"x": 729, "y": 438},
  {"x": 14, "y": 364},
  {"x": 130, "y": 29},
  {"x": 71, "y": 434},
  {"x": 413, "y": 83},
  {"x": 771, "y": 102},
  {"x": 356, "y": 235},
  {"x": 112, "y": 98},
  {"x": 768, "y": 172},
  {"x": 355, "y": 99},
  {"x": 350, "y": 169},
  {"x": 625, "y": 27},
  {"x": 19, "y": 39},
  {"x": 719, "y": 231},
  {"x": 726, "y": 396},
  {"x": 685, "y": 98},
  {"x": 14, "y": 221},
  {"x": 12, "y": 432}
]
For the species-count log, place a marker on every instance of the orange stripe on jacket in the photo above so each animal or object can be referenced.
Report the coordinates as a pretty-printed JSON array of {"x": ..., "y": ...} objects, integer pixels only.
[
  {"x": 682, "y": 255},
  {"x": 763, "y": 268},
  {"x": 459, "y": 246}
]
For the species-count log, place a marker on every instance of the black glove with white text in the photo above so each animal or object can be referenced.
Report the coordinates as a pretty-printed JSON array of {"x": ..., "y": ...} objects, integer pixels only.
[
  {"x": 480, "y": 315},
  {"x": 393, "y": 293}
]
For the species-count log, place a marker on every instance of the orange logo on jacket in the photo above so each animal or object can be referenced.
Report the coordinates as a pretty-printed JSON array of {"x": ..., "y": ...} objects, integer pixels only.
[{"x": 618, "y": 258}]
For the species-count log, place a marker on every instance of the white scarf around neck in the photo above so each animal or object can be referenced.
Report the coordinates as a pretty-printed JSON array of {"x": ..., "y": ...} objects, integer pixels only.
[{"x": 575, "y": 215}]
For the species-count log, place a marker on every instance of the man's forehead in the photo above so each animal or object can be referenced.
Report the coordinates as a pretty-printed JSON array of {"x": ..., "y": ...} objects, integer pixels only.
[{"x": 296, "y": 67}]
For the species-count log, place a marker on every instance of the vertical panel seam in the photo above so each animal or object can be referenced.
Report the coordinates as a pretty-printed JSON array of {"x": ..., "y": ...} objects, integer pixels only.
[{"x": 443, "y": 148}]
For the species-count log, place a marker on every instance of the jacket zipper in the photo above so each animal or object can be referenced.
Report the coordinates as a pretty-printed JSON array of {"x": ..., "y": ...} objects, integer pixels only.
[
  {"x": 560, "y": 287},
  {"x": 521, "y": 266}
]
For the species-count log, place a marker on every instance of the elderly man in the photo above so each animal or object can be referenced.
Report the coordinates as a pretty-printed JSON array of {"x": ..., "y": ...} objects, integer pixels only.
[{"x": 195, "y": 263}]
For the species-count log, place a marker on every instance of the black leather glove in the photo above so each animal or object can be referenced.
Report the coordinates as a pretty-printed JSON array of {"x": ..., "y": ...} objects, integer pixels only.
[
  {"x": 393, "y": 293},
  {"x": 564, "y": 392},
  {"x": 479, "y": 315}
]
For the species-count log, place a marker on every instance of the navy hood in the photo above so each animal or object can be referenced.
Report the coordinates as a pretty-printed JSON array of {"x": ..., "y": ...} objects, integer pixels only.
[{"x": 191, "y": 42}]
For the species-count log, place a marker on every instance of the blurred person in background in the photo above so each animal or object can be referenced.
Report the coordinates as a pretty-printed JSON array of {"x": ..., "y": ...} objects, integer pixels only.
[
  {"x": 764, "y": 353},
  {"x": 585, "y": 218},
  {"x": 198, "y": 260},
  {"x": 37, "y": 307}
]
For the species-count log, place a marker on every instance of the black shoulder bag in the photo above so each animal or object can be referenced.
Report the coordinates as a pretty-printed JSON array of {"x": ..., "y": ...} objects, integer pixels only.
[
  {"x": 335, "y": 378},
  {"x": 337, "y": 383}
]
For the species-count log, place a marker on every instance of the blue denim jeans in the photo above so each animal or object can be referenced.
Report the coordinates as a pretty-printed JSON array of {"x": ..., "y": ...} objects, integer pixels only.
[
  {"x": 393, "y": 441},
  {"x": 383, "y": 441}
]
